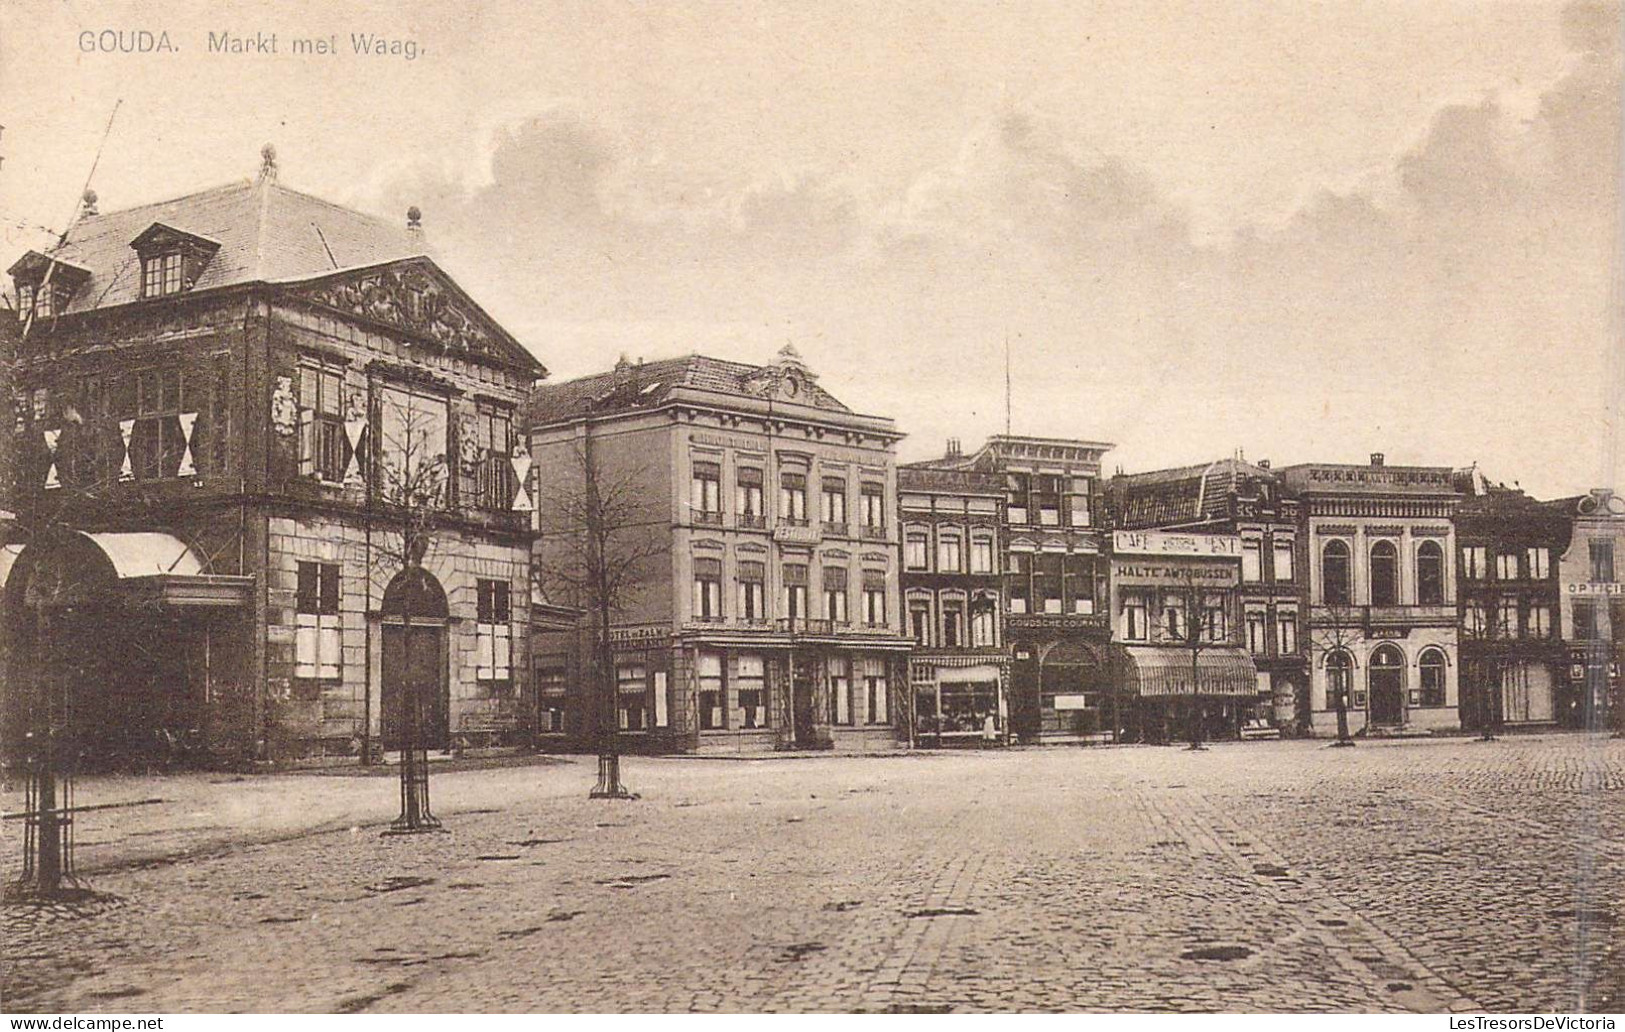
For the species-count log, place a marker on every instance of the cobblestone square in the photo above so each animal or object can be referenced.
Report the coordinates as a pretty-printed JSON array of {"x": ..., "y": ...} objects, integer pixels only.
[{"x": 1263, "y": 876}]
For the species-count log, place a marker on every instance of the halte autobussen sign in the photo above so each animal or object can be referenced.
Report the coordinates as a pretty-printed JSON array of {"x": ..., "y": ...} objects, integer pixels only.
[{"x": 1158, "y": 542}]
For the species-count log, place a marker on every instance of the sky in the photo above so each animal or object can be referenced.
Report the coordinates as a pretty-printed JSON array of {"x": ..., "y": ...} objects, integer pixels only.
[{"x": 1304, "y": 231}]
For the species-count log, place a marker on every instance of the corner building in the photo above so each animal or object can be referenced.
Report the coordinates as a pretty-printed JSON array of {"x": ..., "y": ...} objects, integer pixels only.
[{"x": 767, "y": 613}]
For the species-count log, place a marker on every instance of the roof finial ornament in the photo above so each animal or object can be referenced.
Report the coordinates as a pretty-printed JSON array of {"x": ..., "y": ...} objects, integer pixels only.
[
  {"x": 89, "y": 203},
  {"x": 414, "y": 220},
  {"x": 268, "y": 162}
]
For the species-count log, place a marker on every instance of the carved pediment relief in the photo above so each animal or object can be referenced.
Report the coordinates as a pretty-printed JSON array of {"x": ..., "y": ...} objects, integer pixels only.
[{"x": 413, "y": 298}]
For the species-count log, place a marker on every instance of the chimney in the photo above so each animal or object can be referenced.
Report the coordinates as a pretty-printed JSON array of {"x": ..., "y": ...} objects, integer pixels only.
[
  {"x": 1263, "y": 463},
  {"x": 89, "y": 209},
  {"x": 1376, "y": 458},
  {"x": 414, "y": 221},
  {"x": 953, "y": 448}
]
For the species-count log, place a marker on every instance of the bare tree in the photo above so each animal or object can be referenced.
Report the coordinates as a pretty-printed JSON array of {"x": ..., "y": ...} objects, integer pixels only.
[
  {"x": 1332, "y": 632},
  {"x": 1204, "y": 628},
  {"x": 595, "y": 540}
]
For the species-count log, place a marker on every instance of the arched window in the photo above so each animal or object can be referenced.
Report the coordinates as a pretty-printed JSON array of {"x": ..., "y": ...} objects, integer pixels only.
[
  {"x": 1384, "y": 574},
  {"x": 1339, "y": 678},
  {"x": 1334, "y": 574},
  {"x": 1430, "y": 574},
  {"x": 1432, "y": 666}
]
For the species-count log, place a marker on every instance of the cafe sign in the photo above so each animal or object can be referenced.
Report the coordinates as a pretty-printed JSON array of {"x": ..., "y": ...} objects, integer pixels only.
[{"x": 1158, "y": 542}]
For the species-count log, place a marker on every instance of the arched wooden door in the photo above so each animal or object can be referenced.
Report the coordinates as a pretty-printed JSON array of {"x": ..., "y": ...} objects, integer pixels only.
[
  {"x": 1387, "y": 686},
  {"x": 413, "y": 666}
]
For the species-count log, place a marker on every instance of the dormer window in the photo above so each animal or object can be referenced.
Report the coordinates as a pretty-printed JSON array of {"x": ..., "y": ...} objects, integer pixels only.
[
  {"x": 172, "y": 260},
  {"x": 45, "y": 285}
]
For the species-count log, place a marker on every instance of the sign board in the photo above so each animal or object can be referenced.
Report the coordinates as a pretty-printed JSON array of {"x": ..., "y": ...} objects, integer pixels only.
[
  {"x": 1158, "y": 542},
  {"x": 1597, "y": 588},
  {"x": 1202, "y": 575},
  {"x": 1072, "y": 702},
  {"x": 638, "y": 635}
]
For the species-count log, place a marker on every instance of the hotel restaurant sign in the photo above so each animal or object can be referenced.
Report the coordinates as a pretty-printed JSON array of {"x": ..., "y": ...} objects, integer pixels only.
[{"x": 1162, "y": 557}]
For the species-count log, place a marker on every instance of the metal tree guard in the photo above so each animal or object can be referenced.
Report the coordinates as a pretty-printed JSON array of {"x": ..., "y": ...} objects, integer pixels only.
[{"x": 416, "y": 817}]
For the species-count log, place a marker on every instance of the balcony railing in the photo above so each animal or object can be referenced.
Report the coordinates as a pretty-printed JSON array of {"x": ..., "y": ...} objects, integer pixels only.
[
  {"x": 835, "y": 529},
  {"x": 748, "y": 521},
  {"x": 874, "y": 533},
  {"x": 706, "y": 518},
  {"x": 810, "y": 625}
]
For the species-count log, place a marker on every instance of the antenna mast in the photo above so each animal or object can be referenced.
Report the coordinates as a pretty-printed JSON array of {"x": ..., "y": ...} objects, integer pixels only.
[{"x": 1007, "y": 383}]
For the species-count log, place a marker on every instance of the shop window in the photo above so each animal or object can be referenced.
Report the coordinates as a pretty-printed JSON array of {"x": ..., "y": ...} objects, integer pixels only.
[
  {"x": 1432, "y": 667},
  {"x": 1384, "y": 574},
  {"x": 1334, "y": 574},
  {"x": 1539, "y": 561},
  {"x": 551, "y": 688},
  {"x": 751, "y": 687},
  {"x": 705, "y": 493},
  {"x": 752, "y": 591},
  {"x": 632, "y": 696},
  {"x": 748, "y": 498},
  {"x": 840, "y": 690},
  {"x": 708, "y": 589},
  {"x": 712, "y": 713},
  {"x": 1252, "y": 566},
  {"x": 981, "y": 555},
  {"x": 1256, "y": 626},
  {"x": 835, "y": 592},
  {"x": 1430, "y": 574},
  {"x": 318, "y": 652},
  {"x": 915, "y": 549},
  {"x": 1602, "y": 561},
  {"x": 793, "y": 498},
  {"x": 965, "y": 706},
  {"x": 876, "y": 703},
  {"x": 1474, "y": 562},
  {"x": 493, "y": 631},
  {"x": 795, "y": 591},
  {"x": 1285, "y": 571},
  {"x": 324, "y": 449},
  {"x": 1286, "y": 632}
]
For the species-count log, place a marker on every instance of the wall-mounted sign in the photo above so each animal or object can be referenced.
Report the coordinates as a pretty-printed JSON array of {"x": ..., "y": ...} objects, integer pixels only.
[
  {"x": 638, "y": 635},
  {"x": 1390, "y": 632},
  {"x": 1158, "y": 542},
  {"x": 1597, "y": 588},
  {"x": 1205, "y": 575}
]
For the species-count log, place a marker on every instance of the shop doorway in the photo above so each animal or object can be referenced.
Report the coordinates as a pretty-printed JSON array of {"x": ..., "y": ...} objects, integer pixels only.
[{"x": 1387, "y": 687}]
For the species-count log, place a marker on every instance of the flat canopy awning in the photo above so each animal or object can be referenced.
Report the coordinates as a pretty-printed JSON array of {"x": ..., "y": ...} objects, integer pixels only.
[
  {"x": 146, "y": 554},
  {"x": 1152, "y": 670},
  {"x": 142, "y": 566}
]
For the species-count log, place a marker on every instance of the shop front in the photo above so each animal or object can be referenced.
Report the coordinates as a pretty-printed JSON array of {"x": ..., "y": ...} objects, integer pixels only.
[
  {"x": 1166, "y": 683},
  {"x": 955, "y": 695}
]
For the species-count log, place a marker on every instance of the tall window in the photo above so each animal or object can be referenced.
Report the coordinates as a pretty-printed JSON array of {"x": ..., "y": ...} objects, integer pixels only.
[
  {"x": 950, "y": 558},
  {"x": 1284, "y": 570},
  {"x": 317, "y": 639},
  {"x": 981, "y": 624},
  {"x": 1540, "y": 563},
  {"x": 493, "y": 631},
  {"x": 919, "y": 622},
  {"x": 953, "y": 625},
  {"x": 1257, "y": 639},
  {"x": 25, "y": 300},
  {"x": 161, "y": 274},
  {"x": 752, "y": 691},
  {"x": 793, "y": 498},
  {"x": 1252, "y": 566},
  {"x": 157, "y": 441},
  {"x": 981, "y": 555},
  {"x": 1585, "y": 621},
  {"x": 1135, "y": 626},
  {"x": 748, "y": 497},
  {"x": 1286, "y": 632},
  {"x": 1048, "y": 500},
  {"x": 1334, "y": 574},
  {"x": 877, "y": 705},
  {"x": 712, "y": 711},
  {"x": 915, "y": 551},
  {"x": 1602, "y": 561},
  {"x": 632, "y": 696},
  {"x": 1339, "y": 679},
  {"x": 834, "y": 502},
  {"x": 708, "y": 589},
  {"x": 1473, "y": 621},
  {"x": 1384, "y": 574},
  {"x": 1173, "y": 617},
  {"x": 705, "y": 493},
  {"x": 1047, "y": 582},
  {"x": 1539, "y": 624},
  {"x": 835, "y": 593},
  {"x": 323, "y": 448},
  {"x": 873, "y": 498},
  {"x": 874, "y": 598},
  {"x": 840, "y": 690},
  {"x": 1016, "y": 497},
  {"x": 1431, "y": 666},
  {"x": 795, "y": 591},
  {"x": 1215, "y": 628},
  {"x": 752, "y": 590},
  {"x": 1474, "y": 562},
  {"x": 1506, "y": 617},
  {"x": 412, "y": 447},
  {"x": 1430, "y": 574},
  {"x": 1078, "y": 502},
  {"x": 1506, "y": 566}
]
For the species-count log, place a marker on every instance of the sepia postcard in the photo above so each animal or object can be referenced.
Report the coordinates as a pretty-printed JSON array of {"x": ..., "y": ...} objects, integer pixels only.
[{"x": 610, "y": 507}]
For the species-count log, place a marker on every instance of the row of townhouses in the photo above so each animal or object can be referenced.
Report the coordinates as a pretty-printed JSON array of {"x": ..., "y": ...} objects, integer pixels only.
[{"x": 278, "y": 486}]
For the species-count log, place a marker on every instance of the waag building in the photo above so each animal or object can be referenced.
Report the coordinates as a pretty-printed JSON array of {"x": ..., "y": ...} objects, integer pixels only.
[{"x": 269, "y": 496}]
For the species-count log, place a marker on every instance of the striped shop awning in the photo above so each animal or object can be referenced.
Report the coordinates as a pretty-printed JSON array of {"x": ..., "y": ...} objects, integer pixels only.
[{"x": 1153, "y": 670}]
